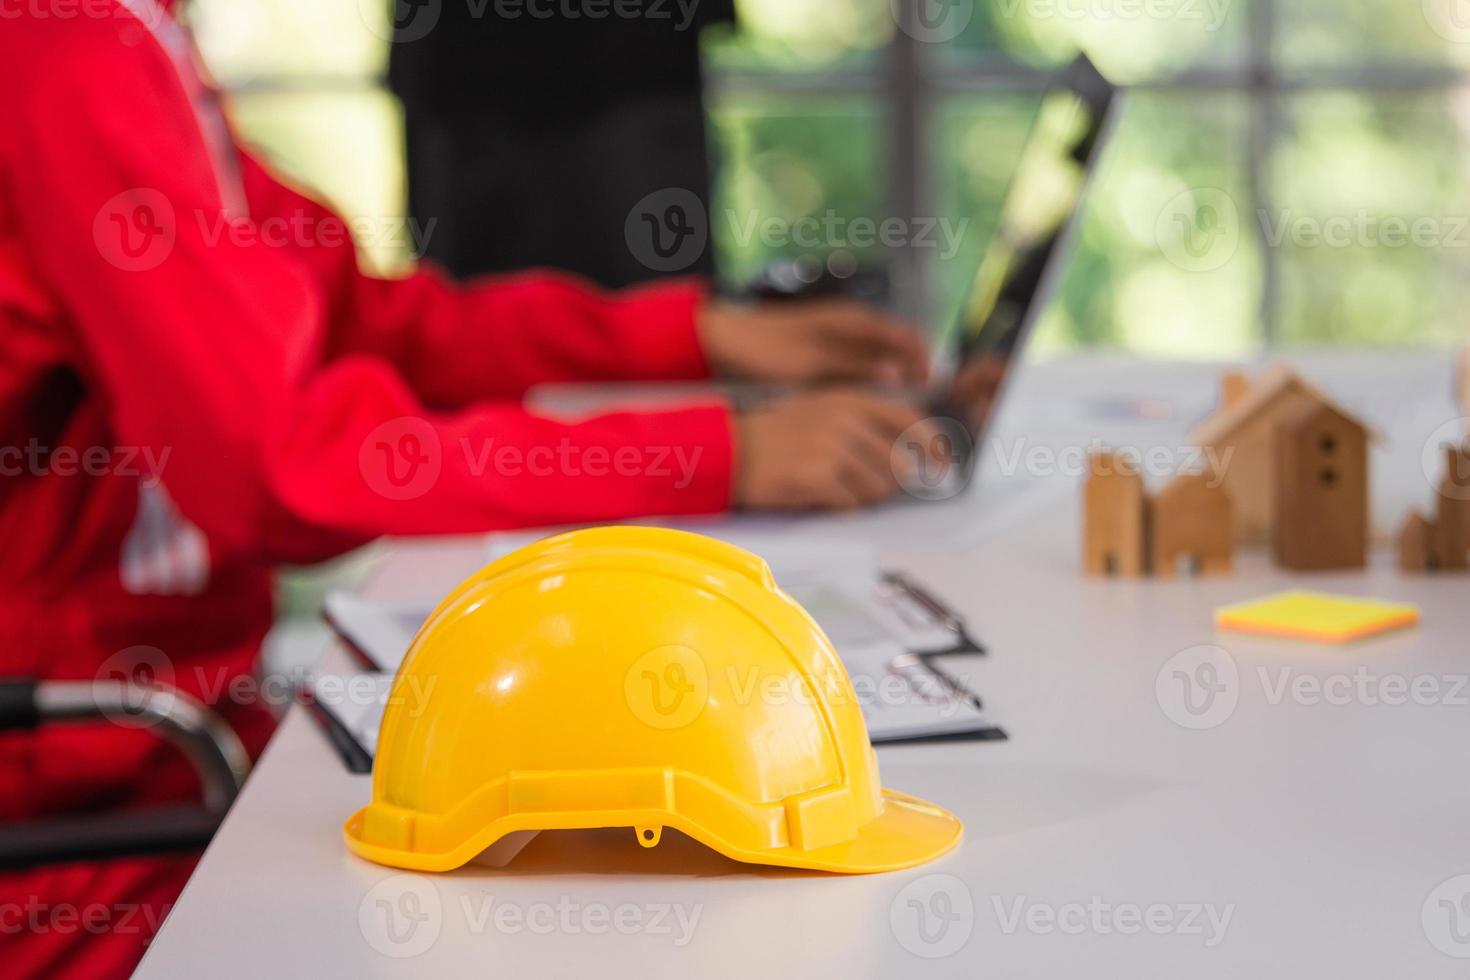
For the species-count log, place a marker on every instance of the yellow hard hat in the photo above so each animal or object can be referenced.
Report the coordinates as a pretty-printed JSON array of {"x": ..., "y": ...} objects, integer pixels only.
[{"x": 633, "y": 677}]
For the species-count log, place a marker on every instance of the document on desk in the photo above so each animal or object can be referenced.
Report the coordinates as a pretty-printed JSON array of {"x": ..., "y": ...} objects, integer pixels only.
[
  {"x": 903, "y": 697},
  {"x": 887, "y": 629},
  {"x": 841, "y": 586}
]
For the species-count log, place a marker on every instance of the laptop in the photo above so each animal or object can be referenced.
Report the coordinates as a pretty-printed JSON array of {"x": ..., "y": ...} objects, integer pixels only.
[
  {"x": 1023, "y": 263},
  {"x": 1017, "y": 276}
]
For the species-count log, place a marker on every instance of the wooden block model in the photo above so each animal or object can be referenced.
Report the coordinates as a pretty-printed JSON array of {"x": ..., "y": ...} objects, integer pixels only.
[
  {"x": 1418, "y": 545},
  {"x": 1453, "y": 525},
  {"x": 1234, "y": 387},
  {"x": 1126, "y": 533},
  {"x": 1190, "y": 527},
  {"x": 1115, "y": 518},
  {"x": 1242, "y": 437},
  {"x": 1441, "y": 544},
  {"x": 1462, "y": 380},
  {"x": 1321, "y": 484}
]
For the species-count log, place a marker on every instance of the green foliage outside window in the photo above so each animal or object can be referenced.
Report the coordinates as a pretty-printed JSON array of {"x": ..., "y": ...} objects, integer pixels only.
[{"x": 1365, "y": 191}]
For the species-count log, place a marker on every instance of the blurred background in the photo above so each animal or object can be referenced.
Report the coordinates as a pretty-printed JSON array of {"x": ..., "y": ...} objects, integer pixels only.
[{"x": 1304, "y": 113}]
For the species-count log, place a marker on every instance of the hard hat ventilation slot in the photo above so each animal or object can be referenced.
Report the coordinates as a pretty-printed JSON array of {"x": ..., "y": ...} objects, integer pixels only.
[{"x": 649, "y": 836}]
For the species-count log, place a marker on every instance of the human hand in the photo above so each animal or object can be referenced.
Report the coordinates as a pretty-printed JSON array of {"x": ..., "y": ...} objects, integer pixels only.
[
  {"x": 811, "y": 341},
  {"x": 976, "y": 387},
  {"x": 829, "y": 449}
]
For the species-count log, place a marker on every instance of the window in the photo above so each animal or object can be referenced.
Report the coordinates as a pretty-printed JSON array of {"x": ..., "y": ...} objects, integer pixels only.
[
  {"x": 304, "y": 84},
  {"x": 1285, "y": 172}
]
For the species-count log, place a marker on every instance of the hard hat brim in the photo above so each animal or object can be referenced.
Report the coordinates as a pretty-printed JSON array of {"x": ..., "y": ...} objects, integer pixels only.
[{"x": 908, "y": 832}]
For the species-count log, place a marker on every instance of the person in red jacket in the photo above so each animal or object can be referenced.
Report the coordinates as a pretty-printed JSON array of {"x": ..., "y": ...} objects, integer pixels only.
[{"x": 199, "y": 384}]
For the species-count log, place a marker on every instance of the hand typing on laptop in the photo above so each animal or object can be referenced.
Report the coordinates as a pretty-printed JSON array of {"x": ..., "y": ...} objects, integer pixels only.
[
  {"x": 819, "y": 448},
  {"x": 818, "y": 340},
  {"x": 976, "y": 387},
  {"x": 830, "y": 449}
]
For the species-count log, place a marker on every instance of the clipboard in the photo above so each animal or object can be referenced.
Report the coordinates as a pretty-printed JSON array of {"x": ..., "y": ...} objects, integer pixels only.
[{"x": 892, "y": 629}]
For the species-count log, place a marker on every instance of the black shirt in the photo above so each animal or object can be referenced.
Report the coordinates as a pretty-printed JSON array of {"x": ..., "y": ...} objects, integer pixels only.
[{"x": 546, "y": 57}]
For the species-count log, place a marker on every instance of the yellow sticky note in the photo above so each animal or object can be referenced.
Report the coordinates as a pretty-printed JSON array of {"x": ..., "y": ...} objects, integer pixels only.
[{"x": 1317, "y": 616}]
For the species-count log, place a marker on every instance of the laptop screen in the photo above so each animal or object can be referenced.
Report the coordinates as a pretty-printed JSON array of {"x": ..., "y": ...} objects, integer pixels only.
[{"x": 1014, "y": 279}]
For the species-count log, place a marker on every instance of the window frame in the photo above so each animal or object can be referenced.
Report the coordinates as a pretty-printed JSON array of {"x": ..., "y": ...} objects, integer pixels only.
[{"x": 911, "y": 82}]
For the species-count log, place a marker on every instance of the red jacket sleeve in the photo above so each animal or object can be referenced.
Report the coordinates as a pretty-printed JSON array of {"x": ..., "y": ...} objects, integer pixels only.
[
  {"x": 209, "y": 343},
  {"x": 494, "y": 338}
]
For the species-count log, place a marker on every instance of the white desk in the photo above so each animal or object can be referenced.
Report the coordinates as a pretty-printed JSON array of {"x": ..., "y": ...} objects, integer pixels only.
[{"x": 1320, "y": 829}]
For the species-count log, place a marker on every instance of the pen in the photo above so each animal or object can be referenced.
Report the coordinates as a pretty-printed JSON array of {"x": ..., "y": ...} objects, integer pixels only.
[{"x": 934, "y": 607}]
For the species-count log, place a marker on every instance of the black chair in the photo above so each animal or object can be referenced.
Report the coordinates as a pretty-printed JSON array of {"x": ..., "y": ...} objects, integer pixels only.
[{"x": 210, "y": 745}]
